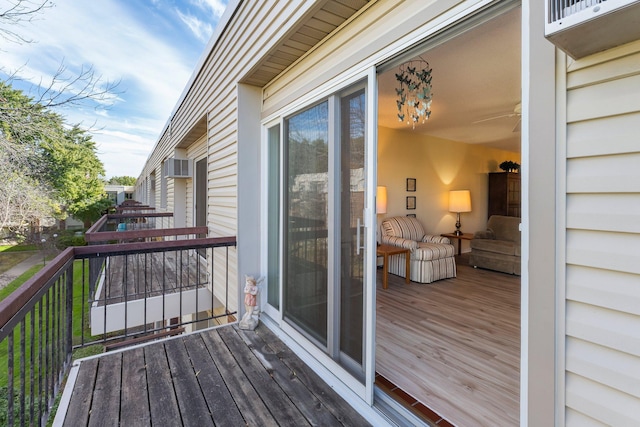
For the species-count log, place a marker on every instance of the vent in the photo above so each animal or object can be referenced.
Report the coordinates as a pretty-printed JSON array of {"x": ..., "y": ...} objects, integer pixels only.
[
  {"x": 584, "y": 27},
  {"x": 177, "y": 168}
]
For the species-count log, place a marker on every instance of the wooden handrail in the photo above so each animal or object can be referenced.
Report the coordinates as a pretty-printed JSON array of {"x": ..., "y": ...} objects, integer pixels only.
[
  {"x": 15, "y": 302},
  {"x": 140, "y": 215},
  {"x": 105, "y": 236},
  {"x": 12, "y": 304}
]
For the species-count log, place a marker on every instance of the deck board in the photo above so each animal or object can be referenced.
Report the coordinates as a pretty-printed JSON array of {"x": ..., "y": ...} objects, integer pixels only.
[
  {"x": 135, "y": 394},
  {"x": 331, "y": 401},
  {"x": 218, "y": 397},
  {"x": 304, "y": 399},
  {"x": 80, "y": 403},
  {"x": 246, "y": 398},
  {"x": 191, "y": 402},
  {"x": 107, "y": 392},
  {"x": 162, "y": 398},
  {"x": 278, "y": 402},
  {"x": 145, "y": 275},
  {"x": 221, "y": 376}
]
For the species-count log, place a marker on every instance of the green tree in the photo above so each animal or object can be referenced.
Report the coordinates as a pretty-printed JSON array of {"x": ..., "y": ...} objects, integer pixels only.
[
  {"x": 59, "y": 158},
  {"x": 122, "y": 180}
]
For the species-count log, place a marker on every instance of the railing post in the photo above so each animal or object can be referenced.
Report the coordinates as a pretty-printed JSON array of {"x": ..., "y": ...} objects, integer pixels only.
[{"x": 69, "y": 313}]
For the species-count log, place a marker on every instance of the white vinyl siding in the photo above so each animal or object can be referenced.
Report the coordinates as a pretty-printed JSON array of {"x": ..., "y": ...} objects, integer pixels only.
[
  {"x": 194, "y": 152},
  {"x": 602, "y": 346},
  {"x": 243, "y": 39}
]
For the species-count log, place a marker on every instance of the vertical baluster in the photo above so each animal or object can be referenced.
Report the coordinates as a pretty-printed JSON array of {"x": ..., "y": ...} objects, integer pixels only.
[
  {"x": 10, "y": 350},
  {"x": 211, "y": 280},
  {"x": 146, "y": 273},
  {"x": 107, "y": 288},
  {"x": 57, "y": 313},
  {"x": 164, "y": 285},
  {"x": 180, "y": 283},
  {"x": 197, "y": 287},
  {"x": 46, "y": 350},
  {"x": 82, "y": 306},
  {"x": 32, "y": 361},
  {"x": 23, "y": 350},
  {"x": 69, "y": 343},
  {"x": 41, "y": 368},
  {"x": 226, "y": 296},
  {"x": 126, "y": 291}
]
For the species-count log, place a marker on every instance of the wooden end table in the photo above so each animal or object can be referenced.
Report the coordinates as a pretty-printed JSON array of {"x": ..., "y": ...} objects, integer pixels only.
[
  {"x": 459, "y": 238},
  {"x": 385, "y": 251}
]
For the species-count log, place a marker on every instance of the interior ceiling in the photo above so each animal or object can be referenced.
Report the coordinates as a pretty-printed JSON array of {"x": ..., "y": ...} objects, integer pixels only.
[{"x": 476, "y": 76}]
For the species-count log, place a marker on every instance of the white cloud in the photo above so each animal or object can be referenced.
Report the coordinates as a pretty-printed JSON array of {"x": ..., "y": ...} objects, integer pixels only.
[
  {"x": 202, "y": 30},
  {"x": 216, "y": 6}
]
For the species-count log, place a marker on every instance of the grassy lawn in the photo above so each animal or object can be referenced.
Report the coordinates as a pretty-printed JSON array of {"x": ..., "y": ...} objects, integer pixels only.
[
  {"x": 18, "y": 248},
  {"x": 18, "y": 281}
]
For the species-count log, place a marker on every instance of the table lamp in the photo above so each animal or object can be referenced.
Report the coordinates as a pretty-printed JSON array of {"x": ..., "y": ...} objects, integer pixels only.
[{"x": 459, "y": 201}]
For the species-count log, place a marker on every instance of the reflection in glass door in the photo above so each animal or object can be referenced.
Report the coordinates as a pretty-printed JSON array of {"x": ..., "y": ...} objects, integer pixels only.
[
  {"x": 352, "y": 197},
  {"x": 325, "y": 184}
]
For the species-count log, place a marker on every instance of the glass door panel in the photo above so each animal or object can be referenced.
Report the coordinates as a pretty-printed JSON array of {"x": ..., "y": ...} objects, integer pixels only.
[
  {"x": 352, "y": 204},
  {"x": 306, "y": 244},
  {"x": 324, "y": 235}
]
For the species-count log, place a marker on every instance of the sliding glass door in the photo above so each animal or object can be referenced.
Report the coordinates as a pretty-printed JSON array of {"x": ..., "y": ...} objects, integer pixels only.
[{"x": 325, "y": 183}]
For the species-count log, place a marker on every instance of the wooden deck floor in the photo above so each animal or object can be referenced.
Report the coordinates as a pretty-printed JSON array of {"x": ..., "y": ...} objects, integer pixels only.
[
  {"x": 454, "y": 344},
  {"x": 222, "y": 377},
  {"x": 145, "y": 275}
]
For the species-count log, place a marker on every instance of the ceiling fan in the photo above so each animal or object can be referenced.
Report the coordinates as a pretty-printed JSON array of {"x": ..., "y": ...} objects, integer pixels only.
[{"x": 517, "y": 112}]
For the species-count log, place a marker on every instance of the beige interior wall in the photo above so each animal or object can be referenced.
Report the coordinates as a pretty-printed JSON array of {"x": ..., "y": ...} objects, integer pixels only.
[{"x": 438, "y": 165}]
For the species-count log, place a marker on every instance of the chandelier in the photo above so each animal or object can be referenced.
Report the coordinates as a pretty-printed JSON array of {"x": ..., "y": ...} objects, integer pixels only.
[{"x": 414, "y": 92}]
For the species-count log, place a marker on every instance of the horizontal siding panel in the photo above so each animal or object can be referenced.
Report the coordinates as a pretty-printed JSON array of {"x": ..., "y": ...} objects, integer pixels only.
[
  {"x": 577, "y": 419},
  {"x": 606, "y": 99},
  {"x": 618, "y": 212},
  {"x": 616, "y": 330},
  {"x": 222, "y": 225},
  {"x": 617, "y": 370},
  {"x": 622, "y": 67},
  {"x": 610, "y": 289},
  {"x": 604, "y": 174},
  {"x": 611, "y": 135},
  {"x": 611, "y": 251},
  {"x": 600, "y": 402}
]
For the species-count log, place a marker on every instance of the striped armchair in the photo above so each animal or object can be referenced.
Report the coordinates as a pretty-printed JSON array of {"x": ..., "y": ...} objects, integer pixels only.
[{"x": 432, "y": 257}]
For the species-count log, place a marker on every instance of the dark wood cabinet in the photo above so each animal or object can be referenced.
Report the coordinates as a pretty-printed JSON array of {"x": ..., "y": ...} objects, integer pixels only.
[{"x": 504, "y": 194}]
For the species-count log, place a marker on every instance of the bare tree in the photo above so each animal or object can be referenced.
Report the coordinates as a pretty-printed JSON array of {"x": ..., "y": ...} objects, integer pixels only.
[
  {"x": 64, "y": 89},
  {"x": 17, "y": 13}
]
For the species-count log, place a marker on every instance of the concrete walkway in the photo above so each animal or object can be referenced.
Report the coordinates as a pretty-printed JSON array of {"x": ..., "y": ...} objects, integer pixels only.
[{"x": 15, "y": 271}]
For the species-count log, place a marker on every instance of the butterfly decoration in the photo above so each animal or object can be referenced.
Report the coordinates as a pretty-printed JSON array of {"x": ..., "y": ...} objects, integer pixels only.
[{"x": 414, "y": 92}]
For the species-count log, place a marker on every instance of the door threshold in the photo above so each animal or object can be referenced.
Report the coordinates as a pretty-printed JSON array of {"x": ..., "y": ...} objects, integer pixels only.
[{"x": 408, "y": 402}]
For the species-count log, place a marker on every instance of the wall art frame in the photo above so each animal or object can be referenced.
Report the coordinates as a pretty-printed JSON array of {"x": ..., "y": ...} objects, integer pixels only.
[
  {"x": 411, "y": 184},
  {"x": 411, "y": 203}
]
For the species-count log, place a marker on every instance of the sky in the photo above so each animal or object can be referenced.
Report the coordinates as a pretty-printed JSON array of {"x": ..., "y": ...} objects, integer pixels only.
[{"x": 150, "y": 47}]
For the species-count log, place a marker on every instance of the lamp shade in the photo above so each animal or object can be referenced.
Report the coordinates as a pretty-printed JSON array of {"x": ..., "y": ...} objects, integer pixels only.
[
  {"x": 459, "y": 201},
  {"x": 381, "y": 200}
]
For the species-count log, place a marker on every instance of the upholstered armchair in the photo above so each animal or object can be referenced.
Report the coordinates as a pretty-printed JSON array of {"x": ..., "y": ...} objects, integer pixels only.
[{"x": 432, "y": 257}]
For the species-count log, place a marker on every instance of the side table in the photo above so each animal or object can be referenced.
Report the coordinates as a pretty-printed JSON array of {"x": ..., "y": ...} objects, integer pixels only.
[
  {"x": 459, "y": 238},
  {"x": 385, "y": 251}
]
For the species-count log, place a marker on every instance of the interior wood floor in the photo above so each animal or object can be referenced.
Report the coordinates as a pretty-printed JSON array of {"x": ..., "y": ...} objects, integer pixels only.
[{"x": 454, "y": 344}]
